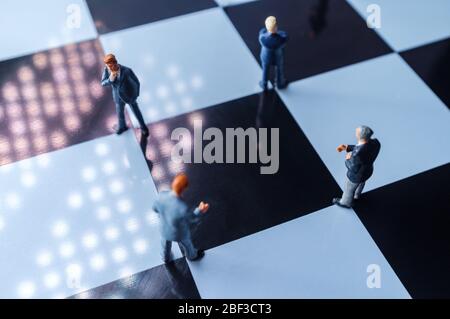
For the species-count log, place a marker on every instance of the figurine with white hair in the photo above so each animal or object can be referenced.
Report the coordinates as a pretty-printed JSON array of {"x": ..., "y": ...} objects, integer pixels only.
[{"x": 272, "y": 43}]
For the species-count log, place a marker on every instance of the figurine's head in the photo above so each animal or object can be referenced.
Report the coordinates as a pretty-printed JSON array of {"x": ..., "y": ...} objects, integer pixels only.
[
  {"x": 363, "y": 133},
  {"x": 111, "y": 62},
  {"x": 180, "y": 183},
  {"x": 271, "y": 24}
]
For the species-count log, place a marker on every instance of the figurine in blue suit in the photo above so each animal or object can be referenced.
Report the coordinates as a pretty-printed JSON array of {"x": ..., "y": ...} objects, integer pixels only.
[
  {"x": 176, "y": 219},
  {"x": 272, "y": 46},
  {"x": 125, "y": 89}
]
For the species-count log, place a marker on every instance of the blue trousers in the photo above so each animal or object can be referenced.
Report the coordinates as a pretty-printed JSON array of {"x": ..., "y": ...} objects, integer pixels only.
[
  {"x": 187, "y": 247},
  {"x": 120, "y": 110},
  {"x": 278, "y": 63}
]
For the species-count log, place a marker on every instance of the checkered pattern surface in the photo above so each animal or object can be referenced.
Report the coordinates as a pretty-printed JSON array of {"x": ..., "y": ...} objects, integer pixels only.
[{"x": 75, "y": 199}]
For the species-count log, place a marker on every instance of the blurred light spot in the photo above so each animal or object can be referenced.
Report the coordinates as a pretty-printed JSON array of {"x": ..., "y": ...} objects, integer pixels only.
[
  {"x": 89, "y": 59},
  {"x": 180, "y": 87},
  {"x": 96, "y": 89},
  {"x": 197, "y": 82},
  {"x": 75, "y": 200},
  {"x": 28, "y": 179},
  {"x": 160, "y": 130},
  {"x": 88, "y": 174},
  {"x": 170, "y": 108},
  {"x": 149, "y": 61},
  {"x": 172, "y": 71},
  {"x": 60, "y": 75},
  {"x": 162, "y": 92},
  {"x": 64, "y": 91},
  {"x": 68, "y": 106},
  {"x": 12, "y": 201},
  {"x": 176, "y": 167},
  {"x": 33, "y": 109},
  {"x": 85, "y": 105},
  {"x": 145, "y": 97},
  {"x": 152, "y": 113},
  {"x": 158, "y": 172},
  {"x": 43, "y": 160},
  {"x": 44, "y": 259},
  {"x": 109, "y": 168},
  {"x": 96, "y": 193},
  {"x": 196, "y": 119},
  {"x": 51, "y": 108},
  {"x": 47, "y": 91},
  {"x": 116, "y": 186},
  {"x": 18, "y": 127},
  {"x": 37, "y": 126},
  {"x": 40, "y": 143},
  {"x": 60, "y": 229},
  {"x": 58, "y": 139},
  {"x": 119, "y": 254},
  {"x": 26, "y": 289},
  {"x": 165, "y": 148},
  {"x": 14, "y": 110},
  {"x": 124, "y": 206},
  {"x": 132, "y": 225},
  {"x": 97, "y": 262},
  {"x": 112, "y": 233},
  {"x": 101, "y": 149},
  {"x": 25, "y": 74},
  {"x": 10, "y": 92},
  {"x": 90, "y": 240},
  {"x": 52, "y": 280},
  {"x": 140, "y": 246},
  {"x": 103, "y": 213},
  {"x": 56, "y": 58},
  {"x": 40, "y": 60},
  {"x": 21, "y": 145},
  {"x": 187, "y": 103},
  {"x": 66, "y": 250},
  {"x": 29, "y": 92}
]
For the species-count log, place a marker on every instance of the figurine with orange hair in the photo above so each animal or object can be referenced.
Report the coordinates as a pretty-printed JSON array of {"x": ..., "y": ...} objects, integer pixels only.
[
  {"x": 175, "y": 220},
  {"x": 125, "y": 88}
]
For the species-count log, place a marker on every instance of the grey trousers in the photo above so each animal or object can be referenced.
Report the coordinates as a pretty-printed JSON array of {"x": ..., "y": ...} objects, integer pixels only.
[
  {"x": 187, "y": 247},
  {"x": 352, "y": 191}
]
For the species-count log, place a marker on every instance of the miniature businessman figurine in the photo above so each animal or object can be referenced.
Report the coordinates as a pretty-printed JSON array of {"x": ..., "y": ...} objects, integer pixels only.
[
  {"x": 175, "y": 219},
  {"x": 125, "y": 87},
  {"x": 272, "y": 46},
  {"x": 359, "y": 163}
]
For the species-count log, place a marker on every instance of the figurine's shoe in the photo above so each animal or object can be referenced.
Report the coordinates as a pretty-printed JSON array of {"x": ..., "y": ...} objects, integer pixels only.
[
  {"x": 119, "y": 130},
  {"x": 145, "y": 131},
  {"x": 337, "y": 201},
  {"x": 169, "y": 259},
  {"x": 200, "y": 255},
  {"x": 283, "y": 85}
]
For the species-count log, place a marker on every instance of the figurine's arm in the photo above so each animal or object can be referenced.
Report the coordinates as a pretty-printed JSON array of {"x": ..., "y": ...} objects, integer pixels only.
[
  {"x": 135, "y": 78},
  {"x": 105, "y": 78}
]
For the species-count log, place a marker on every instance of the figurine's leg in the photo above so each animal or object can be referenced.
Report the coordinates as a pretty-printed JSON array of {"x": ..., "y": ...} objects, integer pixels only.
[
  {"x": 137, "y": 112},
  {"x": 189, "y": 250},
  {"x": 166, "y": 250},
  {"x": 121, "y": 125},
  {"x": 359, "y": 190},
  {"x": 281, "y": 79},
  {"x": 265, "y": 75}
]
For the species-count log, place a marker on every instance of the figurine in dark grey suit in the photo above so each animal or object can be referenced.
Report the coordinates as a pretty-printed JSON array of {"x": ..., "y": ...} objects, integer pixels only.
[
  {"x": 175, "y": 220},
  {"x": 125, "y": 87},
  {"x": 359, "y": 163}
]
